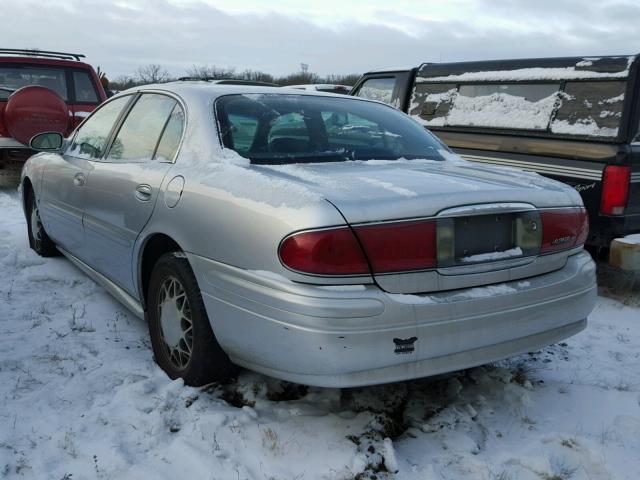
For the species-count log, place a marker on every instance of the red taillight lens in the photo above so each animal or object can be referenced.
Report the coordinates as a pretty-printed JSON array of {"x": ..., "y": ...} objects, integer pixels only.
[
  {"x": 400, "y": 246},
  {"x": 563, "y": 229},
  {"x": 325, "y": 252},
  {"x": 615, "y": 189}
]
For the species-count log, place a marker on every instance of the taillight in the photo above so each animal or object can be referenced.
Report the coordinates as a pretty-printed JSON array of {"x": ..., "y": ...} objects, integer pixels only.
[
  {"x": 563, "y": 229},
  {"x": 399, "y": 246},
  {"x": 389, "y": 247},
  {"x": 615, "y": 189},
  {"x": 333, "y": 251}
]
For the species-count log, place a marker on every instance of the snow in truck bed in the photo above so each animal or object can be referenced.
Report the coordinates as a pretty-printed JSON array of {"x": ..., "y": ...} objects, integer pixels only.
[{"x": 80, "y": 398}]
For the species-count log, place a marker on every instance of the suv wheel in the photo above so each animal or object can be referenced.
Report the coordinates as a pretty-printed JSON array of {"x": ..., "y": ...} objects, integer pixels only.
[
  {"x": 39, "y": 241},
  {"x": 183, "y": 342}
]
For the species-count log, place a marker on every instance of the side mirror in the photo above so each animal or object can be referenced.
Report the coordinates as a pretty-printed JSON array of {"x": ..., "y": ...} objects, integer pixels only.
[{"x": 47, "y": 142}]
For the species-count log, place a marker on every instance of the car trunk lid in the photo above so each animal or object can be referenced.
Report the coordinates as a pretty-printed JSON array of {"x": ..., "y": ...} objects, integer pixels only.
[{"x": 488, "y": 226}]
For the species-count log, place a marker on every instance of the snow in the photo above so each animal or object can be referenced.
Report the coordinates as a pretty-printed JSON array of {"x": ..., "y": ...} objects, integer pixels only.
[
  {"x": 630, "y": 239},
  {"x": 586, "y": 126},
  {"x": 483, "y": 257},
  {"x": 233, "y": 176},
  {"x": 81, "y": 398},
  {"x": 501, "y": 110},
  {"x": 388, "y": 186}
]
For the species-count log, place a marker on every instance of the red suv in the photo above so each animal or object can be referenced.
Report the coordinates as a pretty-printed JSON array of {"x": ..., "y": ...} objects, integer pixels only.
[{"x": 41, "y": 91}]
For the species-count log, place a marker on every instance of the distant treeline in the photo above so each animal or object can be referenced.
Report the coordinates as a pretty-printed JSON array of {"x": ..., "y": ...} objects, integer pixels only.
[{"x": 155, "y": 73}]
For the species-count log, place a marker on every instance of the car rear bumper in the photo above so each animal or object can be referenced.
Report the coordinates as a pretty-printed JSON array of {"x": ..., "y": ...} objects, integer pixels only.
[{"x": 362, "y": 336}]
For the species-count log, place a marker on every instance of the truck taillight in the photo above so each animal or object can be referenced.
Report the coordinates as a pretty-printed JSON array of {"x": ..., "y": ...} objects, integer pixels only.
[
  {"x": 399, "y": 246},
  {"x": 563, "y": 228},
  {"x": 615, "y": 189},
  {"x": 333, "y": 251}
]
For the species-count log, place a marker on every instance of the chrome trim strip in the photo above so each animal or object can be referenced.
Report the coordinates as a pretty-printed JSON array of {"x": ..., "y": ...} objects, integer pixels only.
[
  {"x": 589, "y": 174},
  {"x": 485, "y": 209},
  {"x": 123, "y": 297}
]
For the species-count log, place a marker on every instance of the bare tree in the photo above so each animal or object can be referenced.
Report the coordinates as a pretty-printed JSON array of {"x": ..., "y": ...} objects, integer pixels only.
[
  {"x": 210, "y": 71},
  {"x": 152, "y": 73},
  {"x": 123, "y": 82}
]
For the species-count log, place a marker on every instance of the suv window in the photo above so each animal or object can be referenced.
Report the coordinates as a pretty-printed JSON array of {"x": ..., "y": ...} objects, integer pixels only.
[
  {"x": 14, "y": 77},
  {"x": 84, "y": 88},
  {"x": 380, "y": 89},
  {"x": 91, "y": 138},
  {"x": 171, "y": 136},
  {"x": 138, "y": 137}
]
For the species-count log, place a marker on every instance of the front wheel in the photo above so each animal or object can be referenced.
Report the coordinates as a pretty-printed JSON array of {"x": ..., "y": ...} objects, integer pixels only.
[
  {"x": 39, "y": 241},
  {"x": 181, "y": 335}
]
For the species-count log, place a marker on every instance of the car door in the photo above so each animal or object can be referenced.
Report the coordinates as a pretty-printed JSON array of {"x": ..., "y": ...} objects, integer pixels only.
[
  {"x": 63, "y": 196},
  {"x": 123, "y": 186}
]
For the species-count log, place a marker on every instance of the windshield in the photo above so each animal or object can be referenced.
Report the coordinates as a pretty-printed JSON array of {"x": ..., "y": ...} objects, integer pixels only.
[
  {"x": 288, "y": 128},
  {"x": 14, "y": 77}
]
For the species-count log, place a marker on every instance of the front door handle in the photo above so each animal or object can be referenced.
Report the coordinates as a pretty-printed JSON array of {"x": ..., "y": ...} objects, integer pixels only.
[
  {"x": 79, "y": 179},
  {"x": 143, "y": 192}
]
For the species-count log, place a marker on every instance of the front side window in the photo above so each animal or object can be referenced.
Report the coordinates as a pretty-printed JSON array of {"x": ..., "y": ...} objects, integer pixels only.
[
  {"x": 139, "y": 135},
  {"x": 91, "y": 138},
  {"x": 380, "y": 89},
  {"x": 84, "y": 89},
  {"x": 14, "y": 77},
  {"x": 289, "y": 128}
]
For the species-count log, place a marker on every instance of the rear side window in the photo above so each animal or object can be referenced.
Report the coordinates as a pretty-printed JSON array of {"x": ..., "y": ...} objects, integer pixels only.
[
  {"x": 584, "y": 108},
  {"x": 91, "y": 139},
  {"x": 139, "y": 135},
  {"x": 590, "y": 108},
  {"x": 380, "y": 89},
  {"x": 84, "y": 88},
  {"x": 14, "y": 77},
  {"x": 170, "y": 140}
]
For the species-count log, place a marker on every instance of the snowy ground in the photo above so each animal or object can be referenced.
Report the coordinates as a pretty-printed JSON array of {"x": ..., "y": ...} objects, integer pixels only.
[{"x": 80, "y": 398}]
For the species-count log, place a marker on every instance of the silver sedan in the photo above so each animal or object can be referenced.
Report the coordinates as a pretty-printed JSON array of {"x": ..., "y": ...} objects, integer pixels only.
[{"x": 316, "y": 238}]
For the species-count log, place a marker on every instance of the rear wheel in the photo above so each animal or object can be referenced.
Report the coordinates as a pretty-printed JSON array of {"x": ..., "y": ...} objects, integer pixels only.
[
  {"x": 181, "y": 335},
  {"x": 39, "y": 241}
]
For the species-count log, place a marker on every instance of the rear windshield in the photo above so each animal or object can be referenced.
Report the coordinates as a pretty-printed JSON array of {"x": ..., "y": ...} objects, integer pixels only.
[
  {"x": 583, "y": 108},
  {"x": 12, "y": 78},
  {"x": 289, "y": 128}
]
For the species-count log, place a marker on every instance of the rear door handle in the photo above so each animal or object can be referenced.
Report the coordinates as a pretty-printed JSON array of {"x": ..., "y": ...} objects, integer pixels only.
[
  {"x": 143, "y": 192},
  {"x": 79, "y": 179}
]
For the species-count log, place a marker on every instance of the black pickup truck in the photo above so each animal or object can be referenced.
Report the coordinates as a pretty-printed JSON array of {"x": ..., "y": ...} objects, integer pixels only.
[{"x": 576, "y": 120}]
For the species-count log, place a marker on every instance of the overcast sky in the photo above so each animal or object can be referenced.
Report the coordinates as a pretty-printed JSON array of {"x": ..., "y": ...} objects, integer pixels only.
[{"x": 332, "y": 36}]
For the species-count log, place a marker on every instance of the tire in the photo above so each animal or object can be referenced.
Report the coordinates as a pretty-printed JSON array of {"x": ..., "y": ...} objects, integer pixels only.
[
  {"x": 39, "y": 241},
  {"x": 183, "y": 342}
]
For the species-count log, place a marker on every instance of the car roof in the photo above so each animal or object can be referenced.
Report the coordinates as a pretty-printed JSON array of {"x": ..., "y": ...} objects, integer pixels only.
[{"x": 200, "y": 91}]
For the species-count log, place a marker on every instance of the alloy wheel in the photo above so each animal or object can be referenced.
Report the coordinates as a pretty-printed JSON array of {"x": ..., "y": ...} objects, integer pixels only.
[{"x": 176, "y": 324}]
